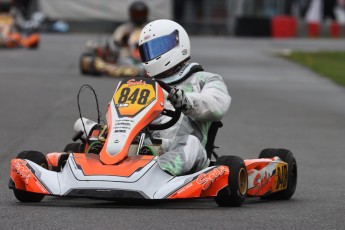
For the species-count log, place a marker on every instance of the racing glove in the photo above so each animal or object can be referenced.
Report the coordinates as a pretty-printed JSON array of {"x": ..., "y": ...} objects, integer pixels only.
[{"x": 179, "y": 100}]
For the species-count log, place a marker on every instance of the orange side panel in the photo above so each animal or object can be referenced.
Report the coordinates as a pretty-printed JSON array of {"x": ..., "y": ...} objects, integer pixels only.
[
  {"x": 30, "y": 41},
  {"x": 53, "y": 159},
  {"x": 205, "y": 185},
  {"x": 24, "y": 179},
  {"x": 263, "y": 186},
  {"x": 91, "y": 165}
]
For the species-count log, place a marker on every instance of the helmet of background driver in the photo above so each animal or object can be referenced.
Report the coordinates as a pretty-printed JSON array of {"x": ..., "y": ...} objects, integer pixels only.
[
  {"x": 163, "y": 45},
  {"x": 138, "y": 12}
]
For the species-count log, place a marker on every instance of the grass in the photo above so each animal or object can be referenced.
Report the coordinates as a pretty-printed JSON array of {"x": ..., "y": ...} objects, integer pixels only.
[{"x": 328, "y": 64}]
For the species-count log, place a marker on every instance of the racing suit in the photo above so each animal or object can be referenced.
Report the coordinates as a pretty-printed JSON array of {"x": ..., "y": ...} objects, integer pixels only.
[{"x": 183, "y": 144}]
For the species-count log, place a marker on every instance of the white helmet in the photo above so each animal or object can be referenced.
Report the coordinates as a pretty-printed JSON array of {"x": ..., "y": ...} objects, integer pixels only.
[{"x": 163, "y": 44}]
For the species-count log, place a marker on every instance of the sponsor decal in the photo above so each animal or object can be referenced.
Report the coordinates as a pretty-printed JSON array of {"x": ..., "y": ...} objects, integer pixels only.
[
  {"x": 261, "y": 181},
  {"x": 206, "y": 179},
  {"x": 147, "y": 37},
  {"x": 133, "y": 82},
  {"x": 282, "y": 177},
  {"x": 24, "y": 172}
]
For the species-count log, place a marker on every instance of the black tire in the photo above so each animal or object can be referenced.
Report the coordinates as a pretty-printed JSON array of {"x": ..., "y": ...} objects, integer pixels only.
[
  {"x": 40, "y": 159},
  {"x": 81, "y": 68},
  {"x": 74, "y": 147},
  {"x": 35, "y": 47},
  {"x": 236, "y": 191},
  {"x": 91, "y": 70},
  {"x": 286, "y": 156}
]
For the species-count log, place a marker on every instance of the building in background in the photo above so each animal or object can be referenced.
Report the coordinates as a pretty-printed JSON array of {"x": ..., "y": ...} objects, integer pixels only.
[
  {"x": 226, "y": 17},
  {"x": 249, "y": 17}
]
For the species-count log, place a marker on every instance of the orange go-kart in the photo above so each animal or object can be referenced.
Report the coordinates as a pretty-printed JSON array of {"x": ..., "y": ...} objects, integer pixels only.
[
  {"x": 11, "y": 38},
  {"x": 112, "y": 163},
  {"x": 113, "y": 61}
]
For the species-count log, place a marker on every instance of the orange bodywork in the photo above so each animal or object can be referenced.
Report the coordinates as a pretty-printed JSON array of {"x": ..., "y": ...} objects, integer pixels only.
[
  {"x": 105, "y": 157},
  {"x": 30, "y": 41},
  {"x": 13, "y": 39},
  {"x": 91, "y": 165},
  {"x": 24, "y": 179},
  {"x": 264, "y": 182},
  {"x": 53, "y": 159},
  {"x": 205, "y": 185}
]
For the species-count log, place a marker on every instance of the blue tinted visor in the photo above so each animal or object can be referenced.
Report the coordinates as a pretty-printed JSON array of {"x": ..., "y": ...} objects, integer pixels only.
[{"x": 158, "y": 46}]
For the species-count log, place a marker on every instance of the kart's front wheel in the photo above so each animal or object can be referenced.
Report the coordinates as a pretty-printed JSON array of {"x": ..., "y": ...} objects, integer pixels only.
[
  {"x": 40, "y": 159},
  {"x": 235, "y": 193},
  {"x": 87, "y": 64},
  {"x": 286, "y": 156}
]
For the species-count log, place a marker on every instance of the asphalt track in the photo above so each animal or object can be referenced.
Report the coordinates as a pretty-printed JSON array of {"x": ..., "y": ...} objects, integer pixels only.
[{"x": 275, "y": 104}]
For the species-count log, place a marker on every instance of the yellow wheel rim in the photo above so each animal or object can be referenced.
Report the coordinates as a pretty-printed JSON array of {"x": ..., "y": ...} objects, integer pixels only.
[{"x": 242, "y": 181}]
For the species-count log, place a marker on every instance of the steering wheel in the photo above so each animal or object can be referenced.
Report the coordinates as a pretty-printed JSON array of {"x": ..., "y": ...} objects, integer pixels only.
[{"x": 174, "y": 114}]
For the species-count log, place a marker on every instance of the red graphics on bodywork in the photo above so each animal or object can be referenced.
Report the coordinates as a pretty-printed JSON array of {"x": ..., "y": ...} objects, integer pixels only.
[
  {"x": 266, "y": 176},
  {"x": 206, "y": 184},
  {"x": 24, "y": 179}
]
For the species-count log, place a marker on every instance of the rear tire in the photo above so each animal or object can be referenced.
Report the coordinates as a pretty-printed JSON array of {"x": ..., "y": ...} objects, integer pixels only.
[
  {"x": 235, "y": 193},
  {"x": 40, "y": 159},
  {"x": 286, "y": 156}
]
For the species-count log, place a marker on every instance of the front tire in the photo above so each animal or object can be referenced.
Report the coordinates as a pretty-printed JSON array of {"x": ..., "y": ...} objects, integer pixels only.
[
  {"x": 40, "y": 159},
  {"x": 286, "y": 156},
  {"x": 235, "y": 193}
]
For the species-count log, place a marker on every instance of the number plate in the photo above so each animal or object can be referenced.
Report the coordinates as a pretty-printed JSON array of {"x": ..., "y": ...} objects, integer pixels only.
[{"x": 133, "y": 96}]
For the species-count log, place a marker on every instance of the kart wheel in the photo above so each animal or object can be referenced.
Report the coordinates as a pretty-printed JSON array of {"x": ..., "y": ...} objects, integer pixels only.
[
  {"x": 83, "y": 64},
  {"x": 87, "y": 64},
  {"x": 34, "y": 46},
  {"x": 236, "y": 191},
  {"x": 286, "y": 156},
  {"x": 40, "y": 159}
]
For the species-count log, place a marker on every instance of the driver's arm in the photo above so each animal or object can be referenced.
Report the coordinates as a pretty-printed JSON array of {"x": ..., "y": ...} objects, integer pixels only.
[{"x": 212, "y": 102}]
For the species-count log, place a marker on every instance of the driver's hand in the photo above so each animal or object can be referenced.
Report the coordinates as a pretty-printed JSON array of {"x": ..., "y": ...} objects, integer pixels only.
[{"x": 179, "y": 100}]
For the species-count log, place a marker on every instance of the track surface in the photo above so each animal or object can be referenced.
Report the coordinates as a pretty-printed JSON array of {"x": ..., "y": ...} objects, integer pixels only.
[{"x": 275, "y": 104}]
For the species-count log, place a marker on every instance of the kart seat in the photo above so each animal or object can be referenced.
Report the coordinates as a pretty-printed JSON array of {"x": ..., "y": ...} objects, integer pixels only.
[{"x": 211, "y": 137}]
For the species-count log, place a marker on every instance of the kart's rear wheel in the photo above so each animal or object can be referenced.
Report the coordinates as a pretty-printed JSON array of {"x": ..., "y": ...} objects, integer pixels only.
[
  {"x": 286, "y": 156},
  {"x": 40, "y": 159},
  {"x": 236, "y": 191}
]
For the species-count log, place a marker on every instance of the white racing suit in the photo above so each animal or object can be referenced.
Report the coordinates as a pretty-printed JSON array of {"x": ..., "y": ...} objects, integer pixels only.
[{"x": 183, "y": 144}]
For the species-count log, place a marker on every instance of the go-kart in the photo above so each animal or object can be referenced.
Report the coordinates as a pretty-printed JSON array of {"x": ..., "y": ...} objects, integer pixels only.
[
  {"x": 11, "y": 38},
  {"x": 111, "y": 162},
  {"x": 109, "y": 60}
]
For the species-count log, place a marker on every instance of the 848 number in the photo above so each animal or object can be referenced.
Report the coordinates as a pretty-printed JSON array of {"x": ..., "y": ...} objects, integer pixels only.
[{"x": 133, "y": 98}]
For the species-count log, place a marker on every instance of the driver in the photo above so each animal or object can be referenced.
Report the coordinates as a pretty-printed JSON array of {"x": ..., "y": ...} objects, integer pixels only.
[
  {"x": 203, "y": 97},
  {"x": 138, "y": 12}
]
